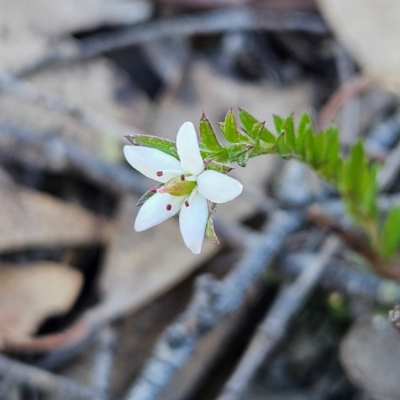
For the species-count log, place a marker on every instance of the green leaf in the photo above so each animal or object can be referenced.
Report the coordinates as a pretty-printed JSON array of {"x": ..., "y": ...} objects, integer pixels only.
[
  {"x": 333, "y": 146},
  {"x": 369, "y": 199},
  {"x": 235, "y": 151},
  {"x": 221, "y": 156},
  {"x": 249, "y": 122},
  {"x": 216, "y": 166},
  {"x": 309, "y": 147},
  {"x": 207, "y": 134},
  {"x": 320, "y": 148},
  {"x": 390, "y": 237},
  {"x": 356, "y": 171},
  {"x": 210, "y": 231},
  {"x": 147, "y": 195},
  {"x": 305, "y": 124},
  {"x": 278, "y": 121},
  {"x": 230, "y": 130},
  {"x": 164, "y": 145},
  {"x": 243, "y": 159},
  {"x": 288, "y": 127},
  {"x": 281, "y": 144}
]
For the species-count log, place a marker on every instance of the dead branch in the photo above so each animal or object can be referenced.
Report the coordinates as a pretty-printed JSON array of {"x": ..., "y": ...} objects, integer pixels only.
[
  {"x": 354, "y": 87},
  {"x": 212, "y": 301},
  {"x": 59, "y": 104},
  {"x": 213, "y": 22},
  {"x": 273, "y": 329},
  {"x": 340, "y": 277},
  {"x": 394, "y": 317},
  {"x": 103, "y": 361},
  {"x": 32, "y": 377},
  {"x": 389, "y": 172}
]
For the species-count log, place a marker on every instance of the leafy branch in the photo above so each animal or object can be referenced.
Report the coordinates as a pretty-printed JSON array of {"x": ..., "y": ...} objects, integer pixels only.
[{"x": 353, "y": 176}]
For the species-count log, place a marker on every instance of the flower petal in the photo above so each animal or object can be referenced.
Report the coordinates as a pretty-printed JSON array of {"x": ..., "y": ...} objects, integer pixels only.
[
  {"x": 149, "y": 161},
  {"x": 217, "y": 187},
  {"x": 188, "y": 149},
  {"x": 154, "y": 211},
  {"x": 193, "y": 221}
]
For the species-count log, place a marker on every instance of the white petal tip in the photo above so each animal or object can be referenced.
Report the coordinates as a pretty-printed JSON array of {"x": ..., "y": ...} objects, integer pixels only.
[
  {"x": 195, "y": 250},
  {"x": 139, "y": 227}
]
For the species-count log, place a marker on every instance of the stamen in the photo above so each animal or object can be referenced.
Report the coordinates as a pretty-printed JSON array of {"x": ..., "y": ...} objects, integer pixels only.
[
  {"x": 159, "y": 173},
  {"x": 182, "y": 177},
  {"x": 169, "y": 207},
  {"x": 186, "y": 203}
]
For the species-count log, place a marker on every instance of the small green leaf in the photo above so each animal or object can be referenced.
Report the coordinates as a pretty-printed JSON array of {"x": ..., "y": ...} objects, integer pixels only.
[
  {"x": 278, "y": 121},
  {"x": 356, "y": 172},
  {"x": 216, "y": 166},
  {"x": 390, "y": 237},
  {"x": 256, "y": 131},
  {"x": 333, "y": 146},
  {"x": 210, "y": 231},
  {"x": 237, "y": 150},
  {"x": 320, "y": 148},
  {"x": 221, "y": 156},
  {"x": 305, "y": 124},
  {"x": 164, "y": 145},
  {"x": 288, "y": 127},
  {"x": 243, "y": 159},
  {"x": 207, "y": 134},
  {"x": 229, "y": 128},
  {"x": 281, "y": 144},
  {"x": 147, "y": 195},
  {"x": 249, "y": 122},
  {"x": 309, "y": 148}
]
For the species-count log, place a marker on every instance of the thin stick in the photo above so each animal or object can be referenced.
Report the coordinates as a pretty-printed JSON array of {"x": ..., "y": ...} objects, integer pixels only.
[
  {"x": 213, "y": 22},
  {"x": 354, "y": 87},
  {"x": 31, "y": 377},
  {"x": 103, "y": 361},
  {"x": 212, "y": 301},
  {"x": 59, "y": 104},
  {"x": 390, "y": 169},
  {"x": 273, "y": 329},
  {"x": 338, "y": 276}
]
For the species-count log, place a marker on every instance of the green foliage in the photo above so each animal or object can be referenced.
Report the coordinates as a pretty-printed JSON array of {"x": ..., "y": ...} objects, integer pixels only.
[
  {"x": 353, "y": 176},
  {"x": 155, "y": 142},
  {"x": 390, "y": 237}
]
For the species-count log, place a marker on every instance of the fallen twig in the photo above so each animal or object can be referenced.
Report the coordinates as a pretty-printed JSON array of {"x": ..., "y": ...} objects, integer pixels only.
[
  {"x": 354, "y": 87},
  {"x": 103, "y": 361},
  {"x": 389, "y": 172},
  {"x": 273, "y": 329},
  {"x": 43, "y": 381},
  {"x": 212, "y": 301},
  {"x": 59, "y": 104},
  {"x": 341, "y": 278},
  {"x": 212, "y": 22}
]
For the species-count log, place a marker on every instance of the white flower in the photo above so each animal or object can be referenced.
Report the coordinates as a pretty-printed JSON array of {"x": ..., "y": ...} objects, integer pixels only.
[{"x": 187, "y": 187}]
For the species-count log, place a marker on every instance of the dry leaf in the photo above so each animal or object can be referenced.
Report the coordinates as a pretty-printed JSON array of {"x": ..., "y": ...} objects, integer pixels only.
[
  {"x": 370, "y": 353},
  {"x": 30, "y": 29},
  {"x": 31, "y": 219},
  {"x": 92, "y": 85},
  {"x": 141, "y": 266},
  {"x": 31, "y": 293},
  {"x": 370, "y": 30}
]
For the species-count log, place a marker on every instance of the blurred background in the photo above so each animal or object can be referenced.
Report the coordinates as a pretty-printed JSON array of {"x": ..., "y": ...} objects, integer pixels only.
[{"x": 90, "y": 309}]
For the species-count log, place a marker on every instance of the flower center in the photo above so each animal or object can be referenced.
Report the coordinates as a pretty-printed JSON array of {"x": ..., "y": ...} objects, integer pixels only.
[{"x": 178, "y": 186}]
